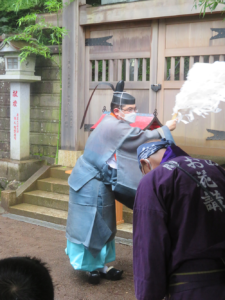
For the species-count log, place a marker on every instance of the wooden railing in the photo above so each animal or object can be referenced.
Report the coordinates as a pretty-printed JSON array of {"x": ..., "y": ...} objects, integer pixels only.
[
  {"x": 129, "y": 69},
  {"x": 176, "y": 68}
]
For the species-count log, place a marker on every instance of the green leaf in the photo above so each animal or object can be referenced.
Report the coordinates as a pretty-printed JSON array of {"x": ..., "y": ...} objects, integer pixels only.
[
  {"x": 4, "y": 20},
  {"x": 30, "y": 18},
  {"x": 53, "y": 5}
]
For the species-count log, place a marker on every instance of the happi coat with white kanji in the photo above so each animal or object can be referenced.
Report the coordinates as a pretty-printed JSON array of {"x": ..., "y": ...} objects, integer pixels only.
[{"x": 179, "y": 231}]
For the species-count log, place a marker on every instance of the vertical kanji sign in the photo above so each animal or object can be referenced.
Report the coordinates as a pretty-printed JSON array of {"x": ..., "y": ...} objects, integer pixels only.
[
  {"x": 15, "y": 112},
  {"x": 19, "y": 120}
]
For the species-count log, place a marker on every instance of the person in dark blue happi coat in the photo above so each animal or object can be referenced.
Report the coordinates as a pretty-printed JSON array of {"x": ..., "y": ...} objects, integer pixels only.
[{"x": 179, "y": 226}]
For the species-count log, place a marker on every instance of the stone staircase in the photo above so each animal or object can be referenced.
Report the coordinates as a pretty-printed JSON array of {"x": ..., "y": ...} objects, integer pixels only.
[
  {"x": 49, "y": 202},
  {"x": 127, "y": 215}
]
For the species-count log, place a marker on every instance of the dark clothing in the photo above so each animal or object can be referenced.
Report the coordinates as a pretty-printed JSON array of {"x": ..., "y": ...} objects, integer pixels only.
[
  {"x": 195, "y": 274},
  {"x": 125, "y": 200},
  {"x": 176, "y": 222},
  {"x": 172, "y": 152},
  {"x": 213, "y": 292}
]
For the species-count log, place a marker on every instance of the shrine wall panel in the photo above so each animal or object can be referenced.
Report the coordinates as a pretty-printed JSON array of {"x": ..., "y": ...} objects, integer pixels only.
[
  {"x": 193, "y": 34},
  {"x": 185, "y": 42}
]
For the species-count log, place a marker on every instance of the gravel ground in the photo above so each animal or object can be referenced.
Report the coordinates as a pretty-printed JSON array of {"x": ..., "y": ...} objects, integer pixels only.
[{"x": 20, "y": 239}]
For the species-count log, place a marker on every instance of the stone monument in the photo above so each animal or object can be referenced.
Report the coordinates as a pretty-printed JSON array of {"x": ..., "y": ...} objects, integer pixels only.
[{"x": 20, "y": 75}]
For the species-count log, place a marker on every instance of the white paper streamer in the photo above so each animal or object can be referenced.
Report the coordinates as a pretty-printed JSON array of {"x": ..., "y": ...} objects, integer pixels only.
[{"x": 202, "y": 92}]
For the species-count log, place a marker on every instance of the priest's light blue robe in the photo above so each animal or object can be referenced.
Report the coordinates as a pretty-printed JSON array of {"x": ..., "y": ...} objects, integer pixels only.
[{"x": 91, "y": 219}]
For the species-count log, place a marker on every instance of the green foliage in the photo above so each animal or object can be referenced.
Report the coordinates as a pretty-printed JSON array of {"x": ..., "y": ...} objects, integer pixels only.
[
  {"x": 27, "y": 19},
  {"x": 14, "y": 14},
  {"x": 94, "y": 2},
  {"x": 4, "y": 20},
  {"x": 3, "y": 25},
  {"x": 13, "y": 10},
  {"x": 208, "y": 4},
  {"x": 33, "y": 33},
  {"x": 54, "y": 6},
  {"x": 39, "y": 6},
  {"x": 18, "y": 5},
  {"x": 186, "y": 66},
  {"x": 148, "y": 69},
  {"x": 32, "y": 29},
  {"x": 8, "y": 21}
]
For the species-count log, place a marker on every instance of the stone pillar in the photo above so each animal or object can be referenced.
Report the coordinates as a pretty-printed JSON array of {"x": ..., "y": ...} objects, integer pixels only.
[
  {"x": 19, "y": 120},
  {"x": 73, "y": 80}
]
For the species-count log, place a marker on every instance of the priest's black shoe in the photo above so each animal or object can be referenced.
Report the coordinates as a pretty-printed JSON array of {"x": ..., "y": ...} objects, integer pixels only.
[
  {"x": 112, "y": 274},
  {"x": 94, "y": 277}
]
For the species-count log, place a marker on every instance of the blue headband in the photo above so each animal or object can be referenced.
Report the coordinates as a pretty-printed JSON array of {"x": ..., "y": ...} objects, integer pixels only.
[{"x": 146, "y": 150}]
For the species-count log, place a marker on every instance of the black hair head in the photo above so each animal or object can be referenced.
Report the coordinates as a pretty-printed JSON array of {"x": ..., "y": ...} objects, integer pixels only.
[{"x": 25, "y": 278}]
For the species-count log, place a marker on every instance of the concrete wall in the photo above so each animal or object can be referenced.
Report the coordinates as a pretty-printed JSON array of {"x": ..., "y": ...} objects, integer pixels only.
[
  {"x": 4, "y": 114},
  {"x": 45, "y": 109}
]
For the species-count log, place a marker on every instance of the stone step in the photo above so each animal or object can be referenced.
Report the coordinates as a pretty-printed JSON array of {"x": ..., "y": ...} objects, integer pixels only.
[
  {"x": 47, "y": 199},
  {"x": 125, "y": 231},
  {"x": 55, "y": 185},
  {"x": 40, "y": 212},
  {"x": 127, "y": 215},
  {"x": 59, "y": 172},
  {"x": 60, "y": 217}
]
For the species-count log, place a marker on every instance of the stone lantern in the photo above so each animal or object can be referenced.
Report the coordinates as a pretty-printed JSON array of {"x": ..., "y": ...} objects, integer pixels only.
[{"x": 20, "y": 75}]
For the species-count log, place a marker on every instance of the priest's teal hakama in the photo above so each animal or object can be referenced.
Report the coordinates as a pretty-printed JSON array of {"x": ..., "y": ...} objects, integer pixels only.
[
  {"x": 91, "y": 223},
  {"x": 81, "y": 258}
]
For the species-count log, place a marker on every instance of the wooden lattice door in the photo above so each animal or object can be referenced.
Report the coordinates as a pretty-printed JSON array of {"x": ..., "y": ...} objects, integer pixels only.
[
  {"x": 183, "y": 42},
  {"x": 126, "y": 57}
]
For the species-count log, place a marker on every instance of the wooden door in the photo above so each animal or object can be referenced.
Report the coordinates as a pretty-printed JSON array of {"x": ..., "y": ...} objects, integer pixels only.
[
  {"x": 183, "y": 42},
  {"x": 127, "y": 58}
]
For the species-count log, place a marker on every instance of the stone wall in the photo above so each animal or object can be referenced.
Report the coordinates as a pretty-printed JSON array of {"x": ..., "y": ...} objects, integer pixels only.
[
  {"x": 4, "y": 114},
  {"x": 44, "y": 114},
  {"x": 45, "y": 110}
]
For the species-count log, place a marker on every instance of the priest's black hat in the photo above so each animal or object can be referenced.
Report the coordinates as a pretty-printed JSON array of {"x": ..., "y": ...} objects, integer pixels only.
[{"x": 120, "y": 97}]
